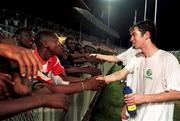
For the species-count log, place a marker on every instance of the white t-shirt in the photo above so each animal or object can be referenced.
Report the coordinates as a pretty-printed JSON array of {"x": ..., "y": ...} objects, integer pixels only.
[
  {"x": 128, "y": 57},
  {"x": 161, "y": 73}
]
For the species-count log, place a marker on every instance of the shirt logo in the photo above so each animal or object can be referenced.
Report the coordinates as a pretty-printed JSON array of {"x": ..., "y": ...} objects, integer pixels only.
[{"x": 148, "y": 74}]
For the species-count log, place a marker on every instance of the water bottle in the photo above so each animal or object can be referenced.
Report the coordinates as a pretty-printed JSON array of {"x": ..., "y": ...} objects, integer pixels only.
[{"x": 132, "y": 109}]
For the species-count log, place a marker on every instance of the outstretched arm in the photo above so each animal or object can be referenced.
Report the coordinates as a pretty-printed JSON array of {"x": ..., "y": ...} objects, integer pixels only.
[
  {"x": 89, "y": 84},
  {"x": 110, "y": 58},
  {"x": 16, "y": 106},
  {"x": 78, "y": 55},
  {"x": 88, "y": 70},
  {"x": 119, "y": 75}
]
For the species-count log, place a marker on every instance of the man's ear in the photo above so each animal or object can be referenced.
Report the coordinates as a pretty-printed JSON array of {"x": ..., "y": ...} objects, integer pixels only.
[{"x": 147, "y": 35}]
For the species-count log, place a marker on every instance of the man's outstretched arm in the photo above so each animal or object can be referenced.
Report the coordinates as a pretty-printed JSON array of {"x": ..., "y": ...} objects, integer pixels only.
[{"x": 15, "y": 106}]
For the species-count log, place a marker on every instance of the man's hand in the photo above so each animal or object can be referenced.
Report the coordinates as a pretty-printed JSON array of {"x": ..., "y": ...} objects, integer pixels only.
[
  {"x": 93, "y": 55},
  {"x": 28, "y": 63},
  {"x": 20, "y": 87},
  {"x": 133, "y": 99},
  {"x": 102, "y": 78},
  {"x": 123, "y": 113},
  {"x": 93, "y": 84},
  {"x": 94, "y": 70},
  {"x": 56, "y": 101},
  {"x": 5, "y": 79}
]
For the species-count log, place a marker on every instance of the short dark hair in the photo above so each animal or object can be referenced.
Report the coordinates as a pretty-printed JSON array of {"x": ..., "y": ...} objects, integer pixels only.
[
  {"x": 67, "y": 40},
  {"x": 19, "y": 30},
  {"x": 44, "y": 34},
  {"x": 145, "y": 26}
]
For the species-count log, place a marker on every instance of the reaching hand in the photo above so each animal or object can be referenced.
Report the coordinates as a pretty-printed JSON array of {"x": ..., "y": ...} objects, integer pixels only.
[
  {"x": 28, "y": 63},
  {"x": 5, "y": 79},
  {"x": 93, "y": 55},
  {"x": 20, "y": 87},
  {"x": 101, "y": 78},
  {"x": 56, "y": 101},
  {"x": 94, "y": 84},
  {"x": 123, "y": 113}
]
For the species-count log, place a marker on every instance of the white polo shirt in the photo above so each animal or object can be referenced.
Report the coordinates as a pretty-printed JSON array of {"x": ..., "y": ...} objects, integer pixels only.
[{"x": 161, "y": 73}]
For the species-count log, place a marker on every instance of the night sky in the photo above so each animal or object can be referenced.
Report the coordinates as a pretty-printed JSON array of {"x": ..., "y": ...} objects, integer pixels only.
[{"x": 121, "y": 16}]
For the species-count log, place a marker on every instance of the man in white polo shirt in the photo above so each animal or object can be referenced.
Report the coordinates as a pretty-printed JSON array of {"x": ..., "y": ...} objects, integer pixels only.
[{"x": 159, "y": 81}]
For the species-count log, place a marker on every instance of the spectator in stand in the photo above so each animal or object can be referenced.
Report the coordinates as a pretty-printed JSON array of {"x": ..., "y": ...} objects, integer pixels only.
[
  {"x": 28, "y": 63},
  {"x": 68, "y": 62},
  {"x": 11, "y": 106},
  {"x": 84, "y": 57},
  {"x": 78, "y": 53},
  {"x": 24, "y": 37},
  {"x": 23, "y": 56},
  {"x": 53, "y": 72}
]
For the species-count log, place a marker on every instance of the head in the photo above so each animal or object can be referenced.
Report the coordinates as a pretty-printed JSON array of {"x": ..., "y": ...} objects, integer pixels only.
[
  {"x": 89, "y": 49},
  {"x": 79, "y": 48},
  {"x": 70, "y": 43},
  {"x": 24, "y": 37},
  {"x": 49, "y": 41},
  {"x": 142, "y": 32}
]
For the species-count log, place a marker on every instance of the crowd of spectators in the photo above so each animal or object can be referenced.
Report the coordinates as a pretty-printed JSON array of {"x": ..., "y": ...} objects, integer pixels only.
[
  {"x": 35, "y": 65},
  {"x": 11, "y": 19}
]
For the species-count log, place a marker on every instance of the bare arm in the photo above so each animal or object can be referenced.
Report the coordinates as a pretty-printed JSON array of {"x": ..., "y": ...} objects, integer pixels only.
[
  {"x": 78, "y": 55},
  {"x": 72, "y": 79},
  {"x": 119, "y": 75},
  {"x": 88, "y": 70},
  {"x": 16, "y": 106},
  {"x": 89, "y": 59},
  {"x": 90, "y": 84},
  {"x": 110, "y": 58},
  {"x": 152, "y": 98}
]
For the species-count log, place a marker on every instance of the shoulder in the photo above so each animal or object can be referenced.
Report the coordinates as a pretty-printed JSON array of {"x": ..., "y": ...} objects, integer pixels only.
[
  {"x": 54, "y": 59},
  {"x": 168, "y": 57},
  {"x": 166, "y": 54},
  {"x": 129, "y": 53}
]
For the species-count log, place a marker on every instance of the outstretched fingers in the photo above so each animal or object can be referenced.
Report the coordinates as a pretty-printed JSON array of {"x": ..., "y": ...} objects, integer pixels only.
[
  {"x": 29, "y": 65},
  {"x": 34, "y": 65}
]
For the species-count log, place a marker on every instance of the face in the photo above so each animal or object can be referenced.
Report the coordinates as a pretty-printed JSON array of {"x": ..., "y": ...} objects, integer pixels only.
[
  {"x": 137, "y": 38},
  {"x": 55, "y": 47},
  {"x": 71, "y": 44},
  {"x": 26, "y": 39},
  {"x": 65, "y": 55}
]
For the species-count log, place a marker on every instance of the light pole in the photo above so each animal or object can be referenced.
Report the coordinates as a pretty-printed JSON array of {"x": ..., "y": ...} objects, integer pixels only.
[
  {"x": 145, "y": 9},
  {"x": 135, "y": 16},
  {"x": 155, "y": 12},
  {"x": 108, "y": 24},
  {"x": 109, "y": 12}
]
